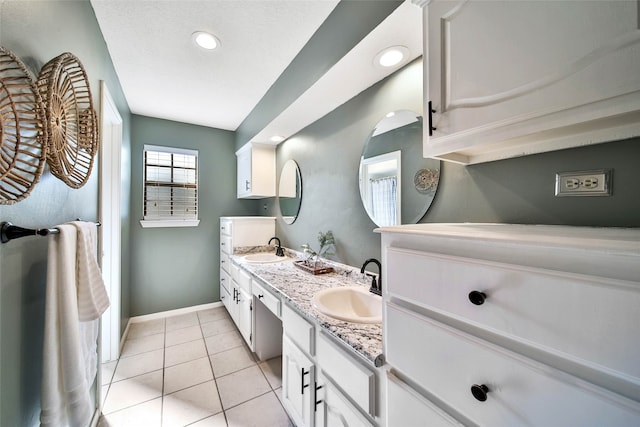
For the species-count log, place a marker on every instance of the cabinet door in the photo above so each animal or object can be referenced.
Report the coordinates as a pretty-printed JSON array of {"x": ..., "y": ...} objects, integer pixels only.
[
  {"x": 243, "y": 158},
  {"x": 298, "y": 377},
  {"x": 226, "y": 298},
  {"x": 334, "y": 410},
  {"x": 508, "y": 78},
  {"x": 234, "y": 305},
  {"x": 244, "y": 316}
]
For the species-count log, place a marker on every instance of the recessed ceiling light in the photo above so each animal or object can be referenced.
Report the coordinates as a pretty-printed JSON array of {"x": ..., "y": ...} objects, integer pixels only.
[
  {"x": 277, "y": 138},
  {"x": 205, "y": 40},
  {"x": 391, "y": 56}
]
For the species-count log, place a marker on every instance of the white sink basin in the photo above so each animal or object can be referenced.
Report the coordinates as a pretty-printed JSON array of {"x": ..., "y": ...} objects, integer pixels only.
[
  {"x": 264, "y": 258},
  {"x": 349, "y": 303}
]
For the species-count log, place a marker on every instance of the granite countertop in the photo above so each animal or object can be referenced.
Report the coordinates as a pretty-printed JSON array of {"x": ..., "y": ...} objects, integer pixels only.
[{"x": 298, "y": 287}]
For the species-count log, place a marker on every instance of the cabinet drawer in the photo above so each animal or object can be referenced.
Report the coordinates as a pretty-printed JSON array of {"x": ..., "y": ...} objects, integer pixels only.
[
  {"x": 407, "y": 408},
  {"x": 225, "y": 280},
  {"x": 357, "y": 382},
  {"x": 586, "y": 317},
  {"x": 448, "y": 363},
  {"x": 226, "y": 227},
  {"x": 267, "y": 298},
  {"x": 298, "y": 329},
  {"x": 225, "y": 261},
  {"x": 225, "y": 245},
  {"x": 244, "y": 280}
]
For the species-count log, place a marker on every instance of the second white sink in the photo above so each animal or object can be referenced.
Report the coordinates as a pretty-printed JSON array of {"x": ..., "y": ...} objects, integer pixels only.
[
  {"x": 349, "y": 303},
  {"x": 264, "y": 258}
]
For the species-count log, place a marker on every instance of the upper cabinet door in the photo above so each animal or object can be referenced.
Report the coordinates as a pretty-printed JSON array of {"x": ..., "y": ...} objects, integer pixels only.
[
  {"x": 256, "y": 165},
  {"x": 510, "y": 78}
]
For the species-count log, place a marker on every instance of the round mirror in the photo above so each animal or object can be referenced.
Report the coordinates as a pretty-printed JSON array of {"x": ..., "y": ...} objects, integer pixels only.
[
  {"x": 290, "y": 191},
  {"x": 397, "y": 185}
]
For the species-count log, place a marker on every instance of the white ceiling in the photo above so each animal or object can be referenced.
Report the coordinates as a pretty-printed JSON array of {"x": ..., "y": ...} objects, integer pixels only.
[{"x": 164, "y": 75}]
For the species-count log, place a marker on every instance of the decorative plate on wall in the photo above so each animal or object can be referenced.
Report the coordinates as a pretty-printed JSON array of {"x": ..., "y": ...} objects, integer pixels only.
[
  {"x": 22, "y": 142},
  {"x": 70, "y": 118}
]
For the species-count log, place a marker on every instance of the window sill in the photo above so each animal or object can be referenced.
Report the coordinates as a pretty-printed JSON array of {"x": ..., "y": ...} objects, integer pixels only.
[{"x": 166, "y": 223}]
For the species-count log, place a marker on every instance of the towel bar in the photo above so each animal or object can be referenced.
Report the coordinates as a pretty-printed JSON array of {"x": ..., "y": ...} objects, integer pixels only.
[{"x": 10, "y": 231}]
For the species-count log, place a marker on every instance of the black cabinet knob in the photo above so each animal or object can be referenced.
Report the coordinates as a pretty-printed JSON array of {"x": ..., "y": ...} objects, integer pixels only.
[
  {"x": 260, "y": 296},
  {"x": 480, "y": 392},
  {"x": 477, "y": 297}
]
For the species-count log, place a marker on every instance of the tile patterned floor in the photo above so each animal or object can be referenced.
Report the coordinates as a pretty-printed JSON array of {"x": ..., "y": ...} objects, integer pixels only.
[{"x": 191, "y": 370}]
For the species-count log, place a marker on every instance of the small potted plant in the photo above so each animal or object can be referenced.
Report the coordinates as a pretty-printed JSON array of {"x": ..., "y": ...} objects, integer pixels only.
[{"x": 327, "y": 246}]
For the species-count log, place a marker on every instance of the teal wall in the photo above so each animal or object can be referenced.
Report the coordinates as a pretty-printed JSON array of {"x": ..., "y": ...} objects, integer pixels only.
[
  {"x": 180, "y": 267},
  {"x": 328, "y": 154},
  {"x": 37, "y": 31},
  {"x": 343, "y": 29},
  {"x": 519, "y": 190}
]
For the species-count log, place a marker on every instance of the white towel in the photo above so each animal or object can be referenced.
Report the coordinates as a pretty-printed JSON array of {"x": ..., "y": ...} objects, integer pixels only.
[
  {"x": 92, "y": 295},
  {"x": 66, "y": 397}
]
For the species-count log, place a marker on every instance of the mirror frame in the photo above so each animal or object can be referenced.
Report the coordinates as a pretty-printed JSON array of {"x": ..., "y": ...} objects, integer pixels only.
[
  {"x": 416, "y": 177},
  {"x": 297, "y": 188}
]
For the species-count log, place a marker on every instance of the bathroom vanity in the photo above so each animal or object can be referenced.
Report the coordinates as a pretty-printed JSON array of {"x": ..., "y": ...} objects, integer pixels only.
[
  {"x": 495, "y": 324},
  {"x": 235, "y": 285},
  {"x": 331, "y": 369}
]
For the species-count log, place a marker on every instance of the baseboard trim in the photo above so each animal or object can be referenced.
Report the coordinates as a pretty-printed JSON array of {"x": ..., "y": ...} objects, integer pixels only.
[{"x": 162, "y": 314}]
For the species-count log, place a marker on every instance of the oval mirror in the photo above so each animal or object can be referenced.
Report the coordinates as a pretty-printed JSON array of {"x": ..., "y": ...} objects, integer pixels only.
[
  {"x": 290, "y": 191},
  {"x": 397, "y": 185}
]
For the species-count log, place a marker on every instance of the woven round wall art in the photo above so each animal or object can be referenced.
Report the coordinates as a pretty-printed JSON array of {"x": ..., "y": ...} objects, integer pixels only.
[
  {"x": 22, "y": 142},
  {"x": 70, "y": 118}
]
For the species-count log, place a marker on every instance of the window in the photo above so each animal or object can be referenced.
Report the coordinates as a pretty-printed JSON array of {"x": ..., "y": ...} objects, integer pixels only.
[{"x": 170, "y": 194}]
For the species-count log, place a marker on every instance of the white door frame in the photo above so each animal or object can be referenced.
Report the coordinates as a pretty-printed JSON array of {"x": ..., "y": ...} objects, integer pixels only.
[{"x": 110, "y": 209}]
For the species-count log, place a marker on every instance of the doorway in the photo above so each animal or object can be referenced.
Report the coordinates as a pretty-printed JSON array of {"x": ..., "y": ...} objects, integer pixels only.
[{"x": 110, "y": 209}]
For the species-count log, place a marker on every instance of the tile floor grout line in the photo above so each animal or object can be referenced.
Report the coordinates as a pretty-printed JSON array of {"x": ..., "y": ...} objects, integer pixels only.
[{"x": 215, "y": 381}]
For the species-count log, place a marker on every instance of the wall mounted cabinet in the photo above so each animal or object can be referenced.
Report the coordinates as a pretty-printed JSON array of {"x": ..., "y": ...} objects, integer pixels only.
[
  {"x": 505, "y": 79},
  {"x": 256, "y": 171}
]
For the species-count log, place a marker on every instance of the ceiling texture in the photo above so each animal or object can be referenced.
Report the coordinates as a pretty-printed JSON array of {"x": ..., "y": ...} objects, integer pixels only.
[{"x": 280, "y": 66}]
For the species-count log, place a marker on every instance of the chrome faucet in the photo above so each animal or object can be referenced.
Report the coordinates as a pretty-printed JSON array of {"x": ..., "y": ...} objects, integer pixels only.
[
  {"x": 279, "y": 250},
  {"x": 376, "y": 286}
]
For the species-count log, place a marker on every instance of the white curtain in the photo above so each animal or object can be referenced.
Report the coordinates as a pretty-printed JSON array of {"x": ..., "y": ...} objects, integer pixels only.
[{"x": 384, "y": 200}]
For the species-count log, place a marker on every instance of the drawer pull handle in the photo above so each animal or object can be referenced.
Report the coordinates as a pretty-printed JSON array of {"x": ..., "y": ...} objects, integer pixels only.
[
  {"x": 260, "y": 296},
  {"x": 480, "y": 392},
  {"x": 315, "y": 408},
  {"x": 477, "y": 297},
  {"x": 302, "y": 384}
]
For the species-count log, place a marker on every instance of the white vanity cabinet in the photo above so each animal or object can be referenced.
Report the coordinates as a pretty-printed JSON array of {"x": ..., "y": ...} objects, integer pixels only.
[
  {"x": 509, "y": 78},
  {"x": 256, "y": 168},
  {"x": 342, "y": 376},
  {"x": 298, "y": 367},
  {"x": 235, "y": 284},
  {"x": 499, "y": 324},
  {"x": 323, "y": 384}
]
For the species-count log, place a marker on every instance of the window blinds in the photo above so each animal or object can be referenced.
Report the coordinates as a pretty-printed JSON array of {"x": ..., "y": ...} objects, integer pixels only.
[{"x": 170, "y": 183}]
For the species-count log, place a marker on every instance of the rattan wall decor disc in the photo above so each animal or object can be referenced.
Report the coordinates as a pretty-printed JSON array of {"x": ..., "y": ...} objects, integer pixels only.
[
  {"x": 22, "y": 136},
  {"x": 71, "y": 120}
]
